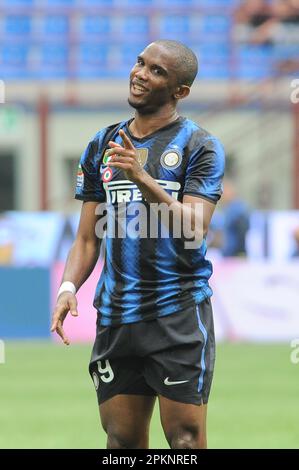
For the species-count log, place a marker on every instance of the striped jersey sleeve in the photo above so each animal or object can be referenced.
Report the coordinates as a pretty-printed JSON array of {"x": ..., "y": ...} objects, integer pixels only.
[
  {"x": 89, "y": 185},
  {"x": 205, "y": 170}
]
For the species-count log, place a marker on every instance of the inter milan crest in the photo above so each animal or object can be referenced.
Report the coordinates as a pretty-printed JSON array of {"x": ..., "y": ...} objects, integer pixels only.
[{"x": 171, "y": 159}]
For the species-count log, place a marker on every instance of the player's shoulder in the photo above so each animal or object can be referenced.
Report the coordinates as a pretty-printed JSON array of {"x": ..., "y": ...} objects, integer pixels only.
[
  {"x": 107, "y": 132},
  {"x": 198, "y": 132},
  {"x": 200, "y": 137}
]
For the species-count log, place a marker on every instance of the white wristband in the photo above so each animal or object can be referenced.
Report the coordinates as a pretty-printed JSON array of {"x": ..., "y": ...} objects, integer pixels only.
[{"x": 67, "y": 286}]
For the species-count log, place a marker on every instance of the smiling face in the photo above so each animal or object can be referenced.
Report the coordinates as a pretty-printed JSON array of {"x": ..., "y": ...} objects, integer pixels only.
[{"x": 153, "y": 80}]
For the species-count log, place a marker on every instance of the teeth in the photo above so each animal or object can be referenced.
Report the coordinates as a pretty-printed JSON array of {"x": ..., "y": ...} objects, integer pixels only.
[{"x": 138, "y": 88}]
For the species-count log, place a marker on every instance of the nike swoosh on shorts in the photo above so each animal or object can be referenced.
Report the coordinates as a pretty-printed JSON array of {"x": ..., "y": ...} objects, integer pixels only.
[{"x": 167, "y": 382}]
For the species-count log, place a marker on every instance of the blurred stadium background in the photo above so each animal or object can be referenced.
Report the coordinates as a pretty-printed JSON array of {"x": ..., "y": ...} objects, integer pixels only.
[{"x": 64, "y": 68}]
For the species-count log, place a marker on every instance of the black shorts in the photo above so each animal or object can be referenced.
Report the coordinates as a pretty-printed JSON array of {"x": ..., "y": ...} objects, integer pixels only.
[{"x": 172, "y": 356}]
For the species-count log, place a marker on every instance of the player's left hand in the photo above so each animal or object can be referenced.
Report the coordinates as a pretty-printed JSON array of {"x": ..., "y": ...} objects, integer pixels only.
[{"x": 125, "y": 158}]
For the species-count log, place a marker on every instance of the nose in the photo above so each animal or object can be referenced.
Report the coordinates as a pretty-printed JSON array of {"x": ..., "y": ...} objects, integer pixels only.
[{"x": 141, "y": 74}]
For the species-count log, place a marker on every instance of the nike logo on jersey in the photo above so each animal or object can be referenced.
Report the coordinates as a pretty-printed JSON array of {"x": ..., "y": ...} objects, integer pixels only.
[{"x": 167, "y": 382}]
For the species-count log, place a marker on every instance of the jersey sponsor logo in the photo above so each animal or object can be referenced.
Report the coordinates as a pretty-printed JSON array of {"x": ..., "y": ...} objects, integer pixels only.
[
  {"x": 80, "y": 177},
  {"x": 126, "y": 191},
  {"x": 177, "y": 382},
  {"x": 171, "y": 159},
  {"x": 107, "y": 175}
]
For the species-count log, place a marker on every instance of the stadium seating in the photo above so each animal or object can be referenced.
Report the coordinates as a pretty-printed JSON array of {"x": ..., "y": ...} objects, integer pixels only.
[
  {"x": 103, "y": 37},
  {"x": 95, "y": 25}
]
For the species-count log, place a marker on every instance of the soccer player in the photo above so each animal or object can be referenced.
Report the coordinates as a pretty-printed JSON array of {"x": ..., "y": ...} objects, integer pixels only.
[{"x": 154, "y": 334}]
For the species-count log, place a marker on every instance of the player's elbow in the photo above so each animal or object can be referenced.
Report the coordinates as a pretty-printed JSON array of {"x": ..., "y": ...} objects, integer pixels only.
[{"x": 86, "y": 247}]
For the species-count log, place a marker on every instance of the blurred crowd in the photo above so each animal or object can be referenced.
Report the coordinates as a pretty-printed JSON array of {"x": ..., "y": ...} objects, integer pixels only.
[
  {"x": 271, "y": 23},
  {"x": 230, "y": 223},
  {"x": 261, "y": 21},
  {"x": 295, "y": 253},
  {"x": 262, "y": 17}
]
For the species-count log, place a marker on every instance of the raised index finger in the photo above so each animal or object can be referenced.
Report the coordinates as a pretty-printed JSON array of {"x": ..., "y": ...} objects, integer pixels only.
[{"x": 127, "y": 142}]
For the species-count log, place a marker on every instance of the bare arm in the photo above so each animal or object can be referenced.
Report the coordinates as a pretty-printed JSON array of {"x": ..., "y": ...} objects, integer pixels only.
[
  {"x": 85, "y": 250},
  {"x": 199, "y": 220},
  {"x": 80, "y": 263}
]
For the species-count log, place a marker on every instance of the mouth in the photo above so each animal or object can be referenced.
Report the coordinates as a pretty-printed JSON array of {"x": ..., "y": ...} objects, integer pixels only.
[{"x": 137, "y": 89}]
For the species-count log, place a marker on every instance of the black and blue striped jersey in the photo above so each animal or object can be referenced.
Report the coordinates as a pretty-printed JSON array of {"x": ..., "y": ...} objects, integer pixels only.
[{"x": 146, "y": 277}]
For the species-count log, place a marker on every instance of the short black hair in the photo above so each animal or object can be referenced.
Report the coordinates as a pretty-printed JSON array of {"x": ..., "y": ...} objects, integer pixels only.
[{"x": 187, "y": 64}]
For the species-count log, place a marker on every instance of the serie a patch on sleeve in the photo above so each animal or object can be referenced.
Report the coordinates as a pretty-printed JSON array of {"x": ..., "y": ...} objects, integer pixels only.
[{"x": 80, "y": 177}]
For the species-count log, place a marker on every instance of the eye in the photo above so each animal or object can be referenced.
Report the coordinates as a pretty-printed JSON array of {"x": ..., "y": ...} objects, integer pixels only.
[
  {"x": 157, "y": 71},
  {"x": 140, "y": 61}
]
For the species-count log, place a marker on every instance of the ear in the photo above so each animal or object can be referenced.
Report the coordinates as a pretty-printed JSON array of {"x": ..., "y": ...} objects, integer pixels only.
[{"x": 181, "y": 92}]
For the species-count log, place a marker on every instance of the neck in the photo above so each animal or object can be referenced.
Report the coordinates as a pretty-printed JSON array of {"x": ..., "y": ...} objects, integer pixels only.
[{"x": 145, "y": 124}]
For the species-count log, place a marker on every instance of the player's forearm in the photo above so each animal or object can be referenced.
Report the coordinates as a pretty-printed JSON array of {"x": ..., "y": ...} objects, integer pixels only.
[
  {"x": 154, "y": 193},
  {"x": 81, "y": 261}
]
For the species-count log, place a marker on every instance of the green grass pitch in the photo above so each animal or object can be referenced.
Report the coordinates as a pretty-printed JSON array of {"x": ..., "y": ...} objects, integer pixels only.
[{"x": 47, "y": 399}]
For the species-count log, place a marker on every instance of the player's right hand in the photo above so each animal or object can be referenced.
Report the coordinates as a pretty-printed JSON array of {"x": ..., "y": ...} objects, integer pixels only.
[{"x": 66, "y": 302}]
